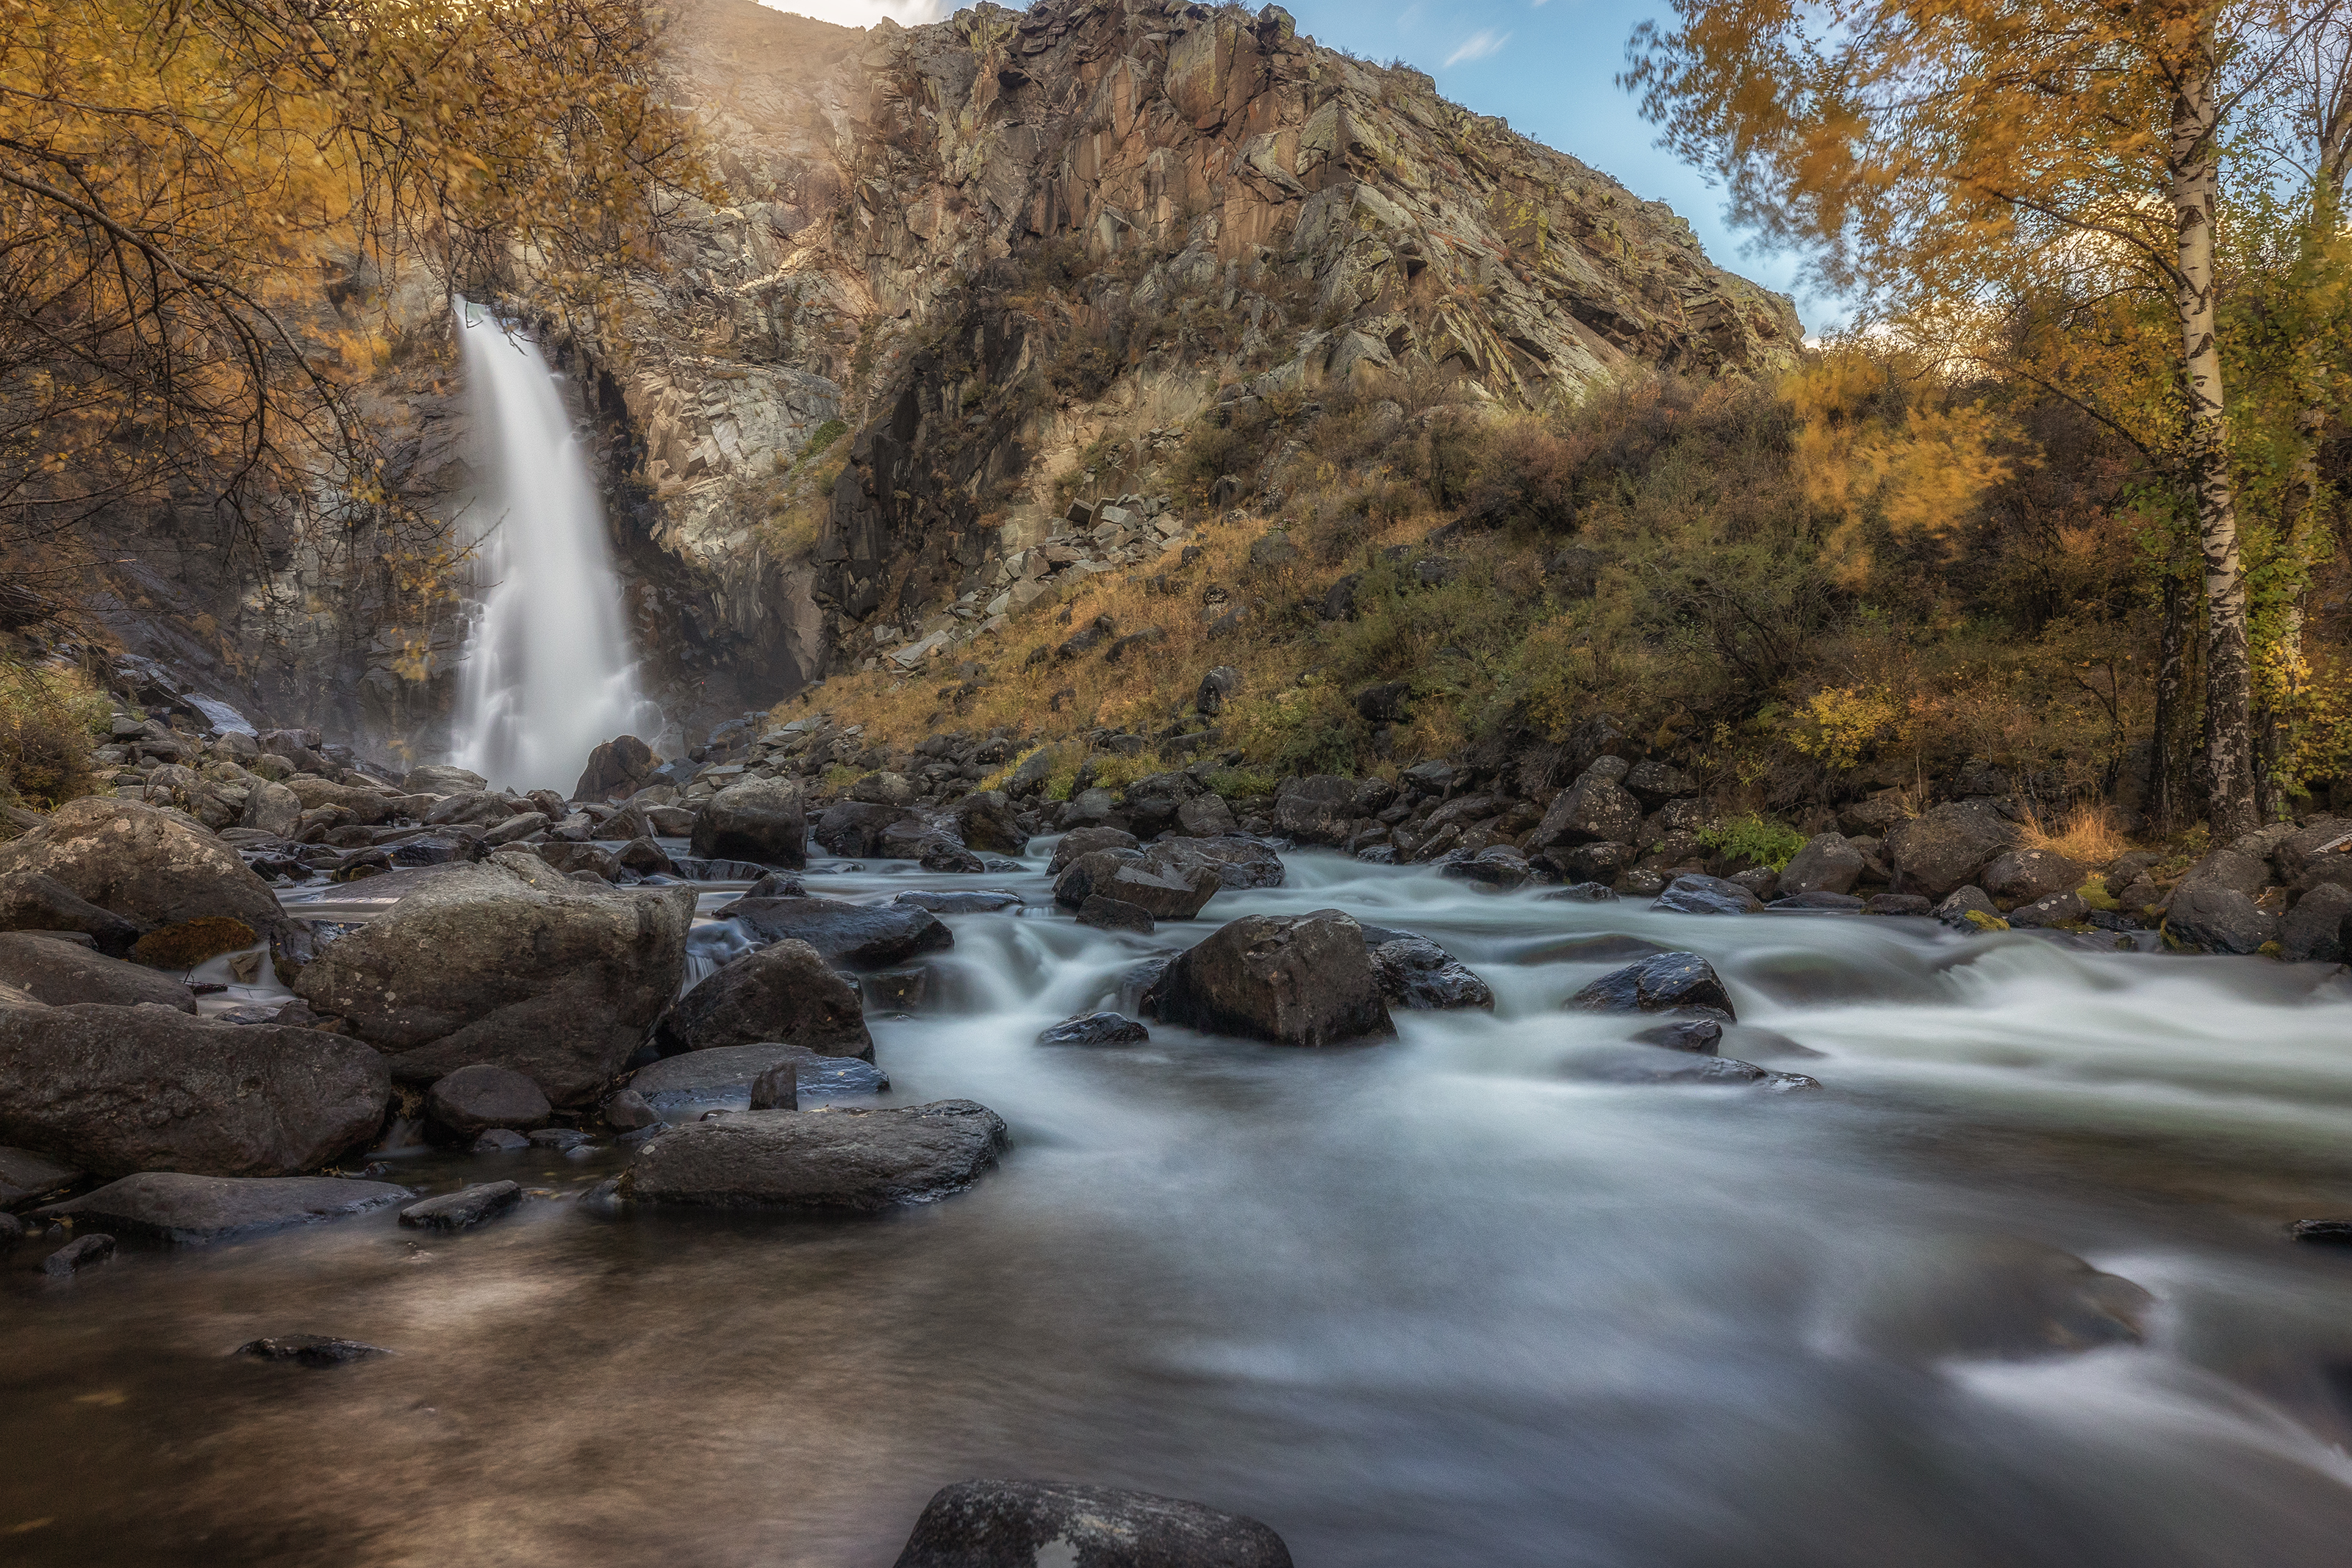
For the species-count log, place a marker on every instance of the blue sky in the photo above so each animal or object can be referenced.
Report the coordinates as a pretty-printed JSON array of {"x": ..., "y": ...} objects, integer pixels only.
[{"x": 1548, "y": 67}]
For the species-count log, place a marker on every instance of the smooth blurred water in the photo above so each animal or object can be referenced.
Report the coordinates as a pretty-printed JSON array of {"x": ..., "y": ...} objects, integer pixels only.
[{"x": 1421, "y": 1302}]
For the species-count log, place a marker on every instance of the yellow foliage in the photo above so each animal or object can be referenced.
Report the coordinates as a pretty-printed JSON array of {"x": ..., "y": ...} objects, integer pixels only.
[
  {"x": 1846, "y": 724},
  {"x": 48, "y": 717}
]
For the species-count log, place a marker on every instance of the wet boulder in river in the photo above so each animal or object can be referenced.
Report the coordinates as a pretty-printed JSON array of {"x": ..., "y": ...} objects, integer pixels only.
[
  {"x": 146, "y": 866},
  {"x": 1095, "y": 1028},
  {"x": 979, "y": 901},
  {"x": 2313, "y": 931},
  {"x": 118, "y": 1090},
  {"x": 467, "y": 1207},
  {"x": 733, "y": 1071},
  {"x": 855, "y": 828},
  {"x": 471, "y": 1101},
  {"x": 1943, "y": 850},
  {"x": 1707, "y": 896},
  {"x": 849, "y": 1159},
  {"x": 1596, "y": 809},
  {"x": 863, "y": 936},
  {"x": 2207, "y": 917},
  {"x": 58, "y": 972},
  {"x": 506, "y": 962},
  {"x": 1085, "y": 840},
  {"x": 1240, "y": 862},
  {"x": 761, "y": 819},
  {"x": 173, "y": 1205},
  {"x": 986, "y": 820},
  {"x": 1662, "y": 982},
  {"x": 985, "y": 1523},
  {"x": 1160, "y": 885},
  {"x": 1305, "y": 979},
  {"x": 1414, "y": 972},
  {"x": 785, "y": 993}
]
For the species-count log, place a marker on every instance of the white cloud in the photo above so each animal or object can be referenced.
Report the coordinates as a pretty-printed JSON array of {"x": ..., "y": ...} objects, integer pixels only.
[
  {"x": 863, "y": 13},
  {"x": 1478, "y": 46}
]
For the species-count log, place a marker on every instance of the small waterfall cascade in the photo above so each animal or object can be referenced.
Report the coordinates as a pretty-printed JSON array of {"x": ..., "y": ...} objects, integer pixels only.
[{"x": 548, "y": 671}]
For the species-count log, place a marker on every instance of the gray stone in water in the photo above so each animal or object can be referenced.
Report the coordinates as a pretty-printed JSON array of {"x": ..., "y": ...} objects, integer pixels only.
[
  {"x": 500, "y": 1141},
  {"x": 1304, "y": 980},
  {"x": 1707, "y": 896},
  {"x": 561, "y": 1139},
  {"x": 862, "y": 935},
  {"x": 315, "y": 1351},
  {"x": 730, "y": 1071},
  {"x": 1018, "y": 1524},
  {"x": 1114, "y": 914},
  {"x": 1701, "y": 1037},
  {"x": 784, "y": 992},
  {"x": 1080, "y": 842},
  {"x": 855, "y": 1159},
  {"x": 1649, "y": 1064},
  {"x": 973, "y": 903},
  {"x": 2321, "y": 1232},
  {"x": 1898, "y": 904},
  {"x": 469, "y": 1206},
  {"x": 61, "y": 972},
  {"x": 77, "y": 1255},
  {"x": 627, "y": 1111},
  {"x": 1095, "y": 1028},
  {"x": 25, "y": 1175},
  {"x": 1580, "y": 893},
  {"x": 1662, "y": 984},
  {"x": 1416, "y": 973},
  {"x": 190, "y": 1210},
  {"x": 475, "y": 1098}
]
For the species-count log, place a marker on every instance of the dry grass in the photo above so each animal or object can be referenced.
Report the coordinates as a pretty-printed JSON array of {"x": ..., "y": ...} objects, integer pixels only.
[{"x": 2086, "y": 835}]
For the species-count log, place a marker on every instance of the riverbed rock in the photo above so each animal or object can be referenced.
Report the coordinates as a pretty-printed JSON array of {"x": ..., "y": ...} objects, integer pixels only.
[
  {"x": 985, "y": 819},
  {"x": 1095, "y": 1028},
  {"x": 1991, "y": 1297},
  {"x": 855, "y": 828},
  {"x": 57, "y": 972},
  {"x": 1080, "y": 842},
  {"x": 2209, "y": 918},
  {"x": 121, "y": 1090},
  {"x": 1155, "y": 883},
  {"x": 761, "y": 819},
  {"x": 469, "y": 1101},
  {"x": 500, "y": 1141},
  {"x": 25, "y": 1175},
  {"x": 785, "y": 993},
  {"x": 863, "y": 936},
  {"x": 1942, "y": 851},
  {"x": 506, "y": 963},
  {"x": 1323, "y": 809},
  {"x": 617, "y": 769},
  {"x": 1699, "y": 1036},
  {"x": 1707, "y": 896},
  {"x": 77, "y": 1255},
  {"x": 442, "y": 778},
  {"x": 1305, "y": 980},
  {"x": 2051, "y": 910},
  {"x": 1016, "y": 1524},
  {"x": 1595, "y": 809},
  {"x": 1650, "y": 1064},
  {"x": 467, "y": 1207},
  {"x": 848, "y": 1158},
  {"x": 2313, "y": 931},
  {"x": 1665, "y": 982},
  {"x": 146, "y": 866},
  {"x": 30, "y": 901},
  {"x": 189, "y": 1210},
  {"x": 977, "y": 902},
  {"x": 1241, "y": 862},
  {"x": 318, "y": 1352},
  {"x": 733, "y": 1071},
  {"x": 1415, "y": 972},
  {"x": 1115, "y": 914},
  {"x": 2017, "y": 876},
  {"x": 1828, "y": 864}
]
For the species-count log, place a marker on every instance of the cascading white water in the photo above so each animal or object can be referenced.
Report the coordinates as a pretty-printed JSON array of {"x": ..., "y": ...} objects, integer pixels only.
[{"x": 549, "y": 672}]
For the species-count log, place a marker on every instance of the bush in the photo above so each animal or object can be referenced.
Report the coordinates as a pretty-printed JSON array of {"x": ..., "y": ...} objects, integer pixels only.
[
  {"x": 48, "y": 718},
  {"x": 1760, "y": 841}
]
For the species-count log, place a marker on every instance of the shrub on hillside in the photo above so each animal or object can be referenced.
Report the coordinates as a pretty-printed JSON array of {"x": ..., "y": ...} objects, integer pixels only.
[{"x": 48, "y": 718}]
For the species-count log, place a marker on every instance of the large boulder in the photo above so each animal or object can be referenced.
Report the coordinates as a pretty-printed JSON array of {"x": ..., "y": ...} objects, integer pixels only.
[
  {"x": 30, "y": 901},
  {"x": 442, "y": 778},
  {"x": 847, "y": 1158},
  {"x": 785, "y": 993},
  {"x": 1241, "y": 862},
  {"x": 1942, "y": 851},
  {"x": 1828, "y": 864},
  {"x": 760, "y": 819},
  {"x": 53, "y": 970},
  {"x": 986, "y": 820},
  {"x": 118, "y": 1090},
  {"x": 618, "y": 769},
  {"x": 506, "y": 962},
  {"x": 1662, "y": 982},
  {"x": 1596, "y": 809},
  {"x": 2017, "y": 876},
  {"x": 271, "y": 808},
  {"x": 1158, "y": 883},
  {"x": 147, "y": 866},
  {"x": 25, "y": 1175},
  {"x": 1414, "y": 972},
  {"x": 1087, "y": 841},
  {"x": 864, "y": 935},
  {"x": 1305, "y": 979},
  {"x": 1707, "y": 896},
  {"x": 355, "y": 805},
  {"x": 1015, "y": 1524},
  {"x": 1322, "y": 808},
  {"x": 188, "y": 1210},
  {"x": 855, "y": 828},
  {"x": 2313, "y": 931},
  {"x": 2209, "y": 918}
]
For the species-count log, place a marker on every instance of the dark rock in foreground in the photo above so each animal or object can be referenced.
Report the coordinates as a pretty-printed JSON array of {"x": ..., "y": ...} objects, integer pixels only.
[
  {"x": 731, "y": 1071},
  {"x": 469, "y": 1206},
  {"x": 1416, "y": 973},
  {"x": 25, "y": 1175},
  {"x": 1662, "y": 984},
  {"x": 122, "y": 1090},
  {"x": 144, "y": 865},
  {"x": 1303, "y": 980},
  {"x": 193, "y": 1209},
  {"x": 310, "y": 1350},
  {"x": 1023, "y": 1524},
  {"x": 500, "y": 1141},
  {"x": 1095, "y": 1028},
  {"x": 77, "y": 1255},
  {"x": 861, "y": 1160},
  {"x": 2322, "y": 1232},
  {"x": 33, "y": 901},
  {"x": 784, "y": 993},
  {"x": 472, "y": 1100}
]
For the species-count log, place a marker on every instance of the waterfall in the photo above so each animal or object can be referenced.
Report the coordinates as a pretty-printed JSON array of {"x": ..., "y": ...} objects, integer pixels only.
[{"x": 548, "y": 671}]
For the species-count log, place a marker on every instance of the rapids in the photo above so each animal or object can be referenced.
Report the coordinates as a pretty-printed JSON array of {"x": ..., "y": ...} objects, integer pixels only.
[{"x": 1421, "y": 1302}]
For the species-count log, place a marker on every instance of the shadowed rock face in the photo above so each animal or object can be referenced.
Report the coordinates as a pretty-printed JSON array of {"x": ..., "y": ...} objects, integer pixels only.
[
  {"x": 121, "y": 1090},
  {"x": 785, "y": 993},
  {"x": 1015, "y": 1524},
  {"x": 1305, "y": 979}
]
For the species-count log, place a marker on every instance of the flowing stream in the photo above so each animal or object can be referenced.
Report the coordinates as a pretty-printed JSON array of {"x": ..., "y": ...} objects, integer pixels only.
[
  {"x": 1428, "y": 1301},
  {"x": 549, "y": 672}
]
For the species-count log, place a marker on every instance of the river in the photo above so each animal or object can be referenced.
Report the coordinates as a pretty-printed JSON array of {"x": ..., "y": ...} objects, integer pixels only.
[{"x": 1431, "y": 1301}]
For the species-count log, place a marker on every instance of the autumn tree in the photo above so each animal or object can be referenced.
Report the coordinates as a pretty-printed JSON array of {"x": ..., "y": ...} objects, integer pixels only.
[
  {"x": 1953, "y": 157},
  {"x": 204, "y": 204}
]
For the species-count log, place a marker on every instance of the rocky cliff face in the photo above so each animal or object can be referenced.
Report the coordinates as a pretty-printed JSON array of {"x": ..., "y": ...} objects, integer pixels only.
[
  {"x": 964, "y": 272},
  {"x": 1016, "y": 248}
]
